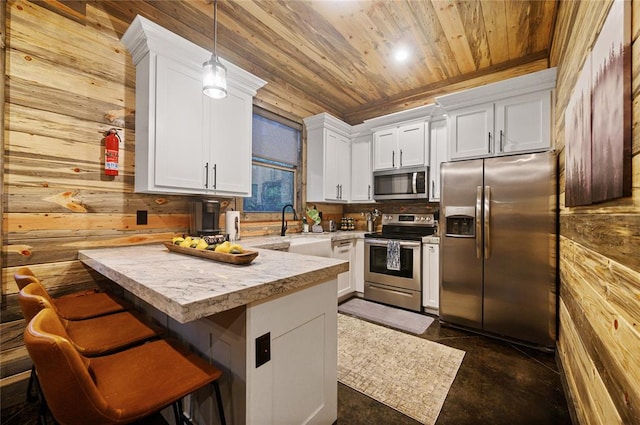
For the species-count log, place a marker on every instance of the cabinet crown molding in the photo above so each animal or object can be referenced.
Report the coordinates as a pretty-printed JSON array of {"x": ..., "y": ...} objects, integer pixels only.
[
  {"x": 328, "y": 121},
  {"x": 420, "y": 113},
  {"x": 535, "y": 81},
  {"x": 144, "y": 36}
]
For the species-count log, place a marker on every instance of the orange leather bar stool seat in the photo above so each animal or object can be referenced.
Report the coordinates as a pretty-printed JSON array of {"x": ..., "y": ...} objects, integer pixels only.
[
  {"x": 95, "y": 336},
  {"x": 78, "y": 306},
  {"x": 114, "y": 389}
]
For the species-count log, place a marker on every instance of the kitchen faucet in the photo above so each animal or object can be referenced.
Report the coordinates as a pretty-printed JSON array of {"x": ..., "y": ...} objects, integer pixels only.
[{"x": 284, "y": 223}]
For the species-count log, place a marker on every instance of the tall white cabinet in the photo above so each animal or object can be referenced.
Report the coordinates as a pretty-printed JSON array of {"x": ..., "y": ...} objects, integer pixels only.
[
  {"x": 328, "y": 159},
  {"x": 438, "y": 144},
  {"x": 187, "y": 142},
  {"x": 361, "y": 173}
]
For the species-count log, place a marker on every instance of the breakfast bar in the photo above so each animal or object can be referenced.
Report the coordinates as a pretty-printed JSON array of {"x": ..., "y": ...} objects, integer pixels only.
[{"x": 270, "y": 325}]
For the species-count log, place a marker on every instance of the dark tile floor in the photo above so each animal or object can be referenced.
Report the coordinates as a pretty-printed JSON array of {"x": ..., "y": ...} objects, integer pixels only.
[{"x": 498, "y": 383}]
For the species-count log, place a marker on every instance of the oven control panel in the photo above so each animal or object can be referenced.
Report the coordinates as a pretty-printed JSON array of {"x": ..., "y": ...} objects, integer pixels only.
[{"x": 408, "y": 219}]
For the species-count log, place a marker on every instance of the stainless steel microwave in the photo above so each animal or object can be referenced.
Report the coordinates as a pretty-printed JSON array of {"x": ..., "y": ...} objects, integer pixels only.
[{"x": 405, "y": 183}]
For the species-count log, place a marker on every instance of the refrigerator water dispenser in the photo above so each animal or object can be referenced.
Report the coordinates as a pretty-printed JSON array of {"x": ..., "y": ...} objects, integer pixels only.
[{"x": 460, "y": 222}]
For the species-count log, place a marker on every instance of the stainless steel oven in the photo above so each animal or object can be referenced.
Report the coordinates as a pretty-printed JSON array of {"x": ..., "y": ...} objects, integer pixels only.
[{"x": 402, "y": 287}]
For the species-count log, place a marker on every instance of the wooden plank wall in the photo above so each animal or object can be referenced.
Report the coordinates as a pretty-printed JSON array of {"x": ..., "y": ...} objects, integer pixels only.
[
  {"x": 68, "y": 79},
  {"x": 599, "y": 338}
]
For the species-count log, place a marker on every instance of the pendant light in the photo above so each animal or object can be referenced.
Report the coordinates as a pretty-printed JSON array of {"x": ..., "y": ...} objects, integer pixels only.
[{"x": 214, "y": 73}]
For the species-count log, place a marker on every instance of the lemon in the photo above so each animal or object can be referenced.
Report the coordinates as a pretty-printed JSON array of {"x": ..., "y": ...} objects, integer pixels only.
[
  {"x": 177, "y": 240},
  {"x": 224, "y": 247},
  {"x": 235, "y": 249},
  {"x": 186, "y": 243},
  {"x": 202, "y": 244}
]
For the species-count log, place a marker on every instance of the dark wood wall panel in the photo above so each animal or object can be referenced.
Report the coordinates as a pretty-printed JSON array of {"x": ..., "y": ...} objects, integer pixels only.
[{"x": 599, "y": 334}]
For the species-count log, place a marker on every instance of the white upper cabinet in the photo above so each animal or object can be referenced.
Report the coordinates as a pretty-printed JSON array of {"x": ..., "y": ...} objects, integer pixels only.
[
  {"x": 187, "y": 142},
  {"x": 399, "y": 146},
  {"x": 328, "y": 159},
  {"x": 507, "y": 117},
  {"x": 361, "y": 175},
  {"x": 523, "y": 123},
  {"x": 438, "y": 143}
]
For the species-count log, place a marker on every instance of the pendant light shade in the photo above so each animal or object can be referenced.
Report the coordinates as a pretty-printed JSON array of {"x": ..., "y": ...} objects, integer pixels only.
[
  {"x": 214, "y": 73},
  {"x": 214, "y": 78}
]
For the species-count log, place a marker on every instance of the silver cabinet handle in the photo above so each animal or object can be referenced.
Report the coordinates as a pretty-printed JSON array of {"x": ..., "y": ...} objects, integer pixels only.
[
  {"x": 337, "y": 191},
  {"x": 206, "y": 175},
  {"x": 489, "y": 142},
  {"x": 215, "y": 175},
  {"x": 369, "y": 192},
  {"x": 433, "y": 187},
  {"x": 401, "y": 157},
  {"x": 501, "y": 142},
  {"x": 487, "y": 222},
  {"x": 478, "y": 222},
  {"x": 393, "y": 158},
  {"x": 340, "y": 192}
]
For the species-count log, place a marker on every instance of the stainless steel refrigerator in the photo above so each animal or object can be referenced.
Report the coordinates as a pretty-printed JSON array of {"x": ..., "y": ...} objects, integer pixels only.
[{"x": 498, "y": 221}]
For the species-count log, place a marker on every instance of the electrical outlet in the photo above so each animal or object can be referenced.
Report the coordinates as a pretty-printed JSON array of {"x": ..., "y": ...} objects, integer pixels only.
[{"x": 141, "y": 217}]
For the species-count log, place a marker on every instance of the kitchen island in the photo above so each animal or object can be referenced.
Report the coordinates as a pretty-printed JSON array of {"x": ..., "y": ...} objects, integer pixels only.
[{"x": 270, "y": 325}]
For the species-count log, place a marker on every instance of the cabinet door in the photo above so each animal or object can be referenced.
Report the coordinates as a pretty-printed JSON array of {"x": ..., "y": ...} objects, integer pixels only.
[
  {"x": 179, "y": 127},
  {"x": 344, "y": 168},
  {"x": 471, "y": 132},
  {"x": 332, "y": 149},
  {"x": 361, "y": 177},
  {"x": 343, "y": 250},
  {"x": 431, "y": 277},
  {"x": 230, "y": 141},
  {"x": 384, "y": 149},
  {"x": 523, "y": 123},
  {"x": 411, "y": 143},
  {"x": 438, "y": 146}
]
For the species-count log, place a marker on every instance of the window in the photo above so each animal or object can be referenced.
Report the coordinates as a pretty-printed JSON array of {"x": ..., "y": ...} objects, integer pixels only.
[{"x": 276, "y": 157}]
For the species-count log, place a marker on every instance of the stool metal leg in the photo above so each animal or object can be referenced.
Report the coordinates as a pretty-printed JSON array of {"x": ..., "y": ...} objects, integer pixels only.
[
  {"x": 216, "y": 387},
  {"x": 32, "y": 381}
]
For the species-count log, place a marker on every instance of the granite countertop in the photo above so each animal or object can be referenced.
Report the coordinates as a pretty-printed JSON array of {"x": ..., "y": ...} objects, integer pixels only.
[{"x": 188, "y": 288}]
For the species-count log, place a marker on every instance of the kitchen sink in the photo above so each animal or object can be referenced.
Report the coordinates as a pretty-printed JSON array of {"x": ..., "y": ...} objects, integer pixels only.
[{"x": 307, "y": 245}]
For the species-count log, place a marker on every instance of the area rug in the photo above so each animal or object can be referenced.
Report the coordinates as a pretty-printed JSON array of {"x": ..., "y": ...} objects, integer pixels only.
[
  {"x": 394, "y": 317},
  {"x": 407, "y": 373}
]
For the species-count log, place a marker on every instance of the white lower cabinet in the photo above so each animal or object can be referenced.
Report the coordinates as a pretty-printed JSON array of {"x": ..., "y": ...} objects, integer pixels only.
[
  {"x": 431, "y": 277},
  {"x": 344, "y": 250},
  {"x": 357, "y": 273}
]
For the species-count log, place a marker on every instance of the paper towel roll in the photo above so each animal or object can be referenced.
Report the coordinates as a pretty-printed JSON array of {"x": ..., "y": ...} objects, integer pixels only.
[{"x": 232, "y": 225}]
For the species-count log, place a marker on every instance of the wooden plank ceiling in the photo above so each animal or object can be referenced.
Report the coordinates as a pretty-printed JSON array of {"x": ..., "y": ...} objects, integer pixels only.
[
  {"x": 341, "y": 51},
  {"x": 337, "y": 55}
]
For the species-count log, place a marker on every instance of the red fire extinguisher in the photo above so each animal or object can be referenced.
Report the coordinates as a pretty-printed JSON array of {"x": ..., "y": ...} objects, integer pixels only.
[{"x": 111, "y": 146}]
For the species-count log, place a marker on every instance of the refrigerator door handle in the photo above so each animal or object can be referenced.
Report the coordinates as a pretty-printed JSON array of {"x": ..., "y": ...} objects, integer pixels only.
[
  {"x": 487, "y": 223},
  {"x": 479, "y": 222}
]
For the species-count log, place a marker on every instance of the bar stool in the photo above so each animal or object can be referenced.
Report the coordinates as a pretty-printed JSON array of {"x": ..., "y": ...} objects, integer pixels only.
[
  {"x": 95, "y": 336},
  {"x": 80, "y": 305},
  {"x": 117, "y": 388}
]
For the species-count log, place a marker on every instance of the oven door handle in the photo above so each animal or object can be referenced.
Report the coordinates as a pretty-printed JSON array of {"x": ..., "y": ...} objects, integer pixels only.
[{"x": 383, "y": 242}]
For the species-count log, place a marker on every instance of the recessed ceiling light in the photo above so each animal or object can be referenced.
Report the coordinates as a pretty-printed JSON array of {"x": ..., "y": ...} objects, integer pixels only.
[{"x": 401, "y": 54}]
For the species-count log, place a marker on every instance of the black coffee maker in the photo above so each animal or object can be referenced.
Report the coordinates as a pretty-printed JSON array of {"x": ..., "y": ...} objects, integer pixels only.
[{"x": 205, "y": 217}]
